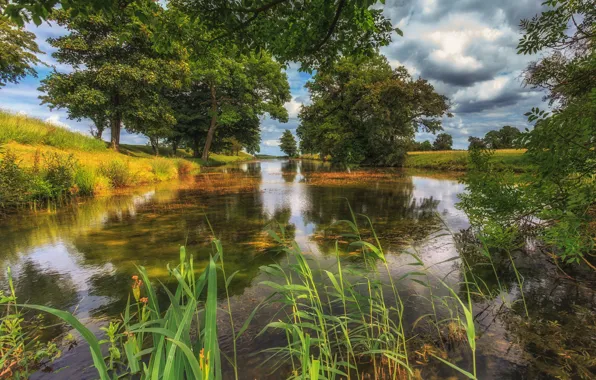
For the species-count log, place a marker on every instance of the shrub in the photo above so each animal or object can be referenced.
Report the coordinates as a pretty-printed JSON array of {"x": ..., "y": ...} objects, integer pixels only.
[
  {"x": 163, "y": 169},
  {"x": 118, "y": 173},
  {"x": 59, "y": 173},
  {"x": 14, "y": 182}
]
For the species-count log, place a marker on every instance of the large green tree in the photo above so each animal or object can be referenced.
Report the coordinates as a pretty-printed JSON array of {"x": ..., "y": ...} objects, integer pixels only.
[
  {"x": 18, "y": 51},
  {"x": 118, "y": 74},
  {"x": 287, "y": 144},
  {"x": 313, "y": 32},
  {"x": 363, "y": 111},
  {"x": 556, "y": 200},
  {"x": 504, "y": 138},
  {"x": 444, "y": 141}
]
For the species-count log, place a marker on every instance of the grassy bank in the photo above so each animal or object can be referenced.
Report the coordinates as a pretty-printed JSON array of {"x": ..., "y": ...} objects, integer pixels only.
[
  {"x": 457, "y": 160},
  {"x": 42, "y": 162}
]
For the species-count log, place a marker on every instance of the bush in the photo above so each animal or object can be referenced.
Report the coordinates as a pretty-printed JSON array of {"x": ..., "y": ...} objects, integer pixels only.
[
  {"x": 14, "y": 182},
  {"x": 163, "y": 169},
  {"x": 59, "y": 173},
  {"x": 118, "y": 173}
]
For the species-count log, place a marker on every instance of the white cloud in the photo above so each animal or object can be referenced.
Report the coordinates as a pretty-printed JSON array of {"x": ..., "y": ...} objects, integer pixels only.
[
  {"x": 271, "y": 143},
  {"x": 55, "y": 120},
  {"x": 293, "y": 107}
]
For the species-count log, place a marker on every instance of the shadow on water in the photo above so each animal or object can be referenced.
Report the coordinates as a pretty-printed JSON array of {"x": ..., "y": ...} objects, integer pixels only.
[{"x": 82, "y": 258}]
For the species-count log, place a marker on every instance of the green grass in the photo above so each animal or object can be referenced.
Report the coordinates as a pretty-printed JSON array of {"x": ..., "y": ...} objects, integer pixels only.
[
  {"x": 32, "y": 131},
  {"x": 457, "y": 160},
  {"x": 216, "y": 159}
]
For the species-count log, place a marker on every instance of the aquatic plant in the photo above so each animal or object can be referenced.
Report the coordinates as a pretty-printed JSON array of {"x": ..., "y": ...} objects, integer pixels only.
[{"x": 21, "y": 351}]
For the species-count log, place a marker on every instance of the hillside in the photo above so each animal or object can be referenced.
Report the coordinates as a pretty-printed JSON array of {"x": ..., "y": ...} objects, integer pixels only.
[{"x": 41, "y": 161}]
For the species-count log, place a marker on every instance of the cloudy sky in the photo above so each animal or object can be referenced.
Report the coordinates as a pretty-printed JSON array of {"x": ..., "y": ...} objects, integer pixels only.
[{"x": 466, "y": 48}]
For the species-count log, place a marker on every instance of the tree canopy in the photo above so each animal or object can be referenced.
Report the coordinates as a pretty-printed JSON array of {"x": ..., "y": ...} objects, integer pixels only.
[
  {"x": 18, "y": 51},
  {"x": 118, "y": 75},
  {"x": 287, "y": 144},
  {"x": 557, "y": 198},
  {"x": 363, "y": 111},
  {"x": 444, "y": 141}
]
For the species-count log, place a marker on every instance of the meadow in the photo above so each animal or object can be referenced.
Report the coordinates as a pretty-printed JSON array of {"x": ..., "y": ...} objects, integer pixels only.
[{"x": 457, "y": 160}]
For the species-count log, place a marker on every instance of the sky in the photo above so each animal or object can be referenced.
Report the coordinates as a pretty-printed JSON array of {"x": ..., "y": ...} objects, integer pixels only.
[{"x": 465, "y": 48}]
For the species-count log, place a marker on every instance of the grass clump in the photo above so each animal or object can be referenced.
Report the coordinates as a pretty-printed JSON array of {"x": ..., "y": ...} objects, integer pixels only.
[
  {"x": 118, "y": 173},
  {"x": 163, "y": 169},
  {"x": 185, "y": 167},
  {"x": 32, "y": 131}
]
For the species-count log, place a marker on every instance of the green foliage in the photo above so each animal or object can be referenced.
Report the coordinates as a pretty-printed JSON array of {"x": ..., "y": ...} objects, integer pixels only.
[
  {"x": 28, "y": 130},
  {"x": 52, "y": 179},
  {"x": 17, "y": 51},
  {"x": 444, "y": 141},
  {"x": 59, "y": 173},
  {"x": 313, "y": 33},
  {"x": 557, "y": 200},
  {"x": 147, "y": 342},
  {"x": 118, "y": 74},
  {"x": 118, "y": 173},
  {"x": 505, "y": 138},
  {"x": 14, "y": 182},
  {"x": 288, "y": 144},
  {"x": 21, "y": 351},
  {"x": 362, "y": 111},
  {"x": 85, "y": 180},
  {"x": 476, "y": 143},
  {"x": 424, "y": 146}
]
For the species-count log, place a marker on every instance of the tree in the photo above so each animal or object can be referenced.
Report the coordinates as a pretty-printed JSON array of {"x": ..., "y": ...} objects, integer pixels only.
[
  {"x": 18, "y": 51},
  {"x": 313, "y": 32},
  {"x": 421, "y": 146},
  {"x": 118, "y": 75},
  {"x": 554, "y": 201},
  {"x": 287, "y": 144},
  {"x": 476, "y": 143},
  {"x": 363, "y": 111},
  {"x": 444, "y": 141},
  {"x": 504, "y": 138},
  {"x": 242, "y": 88}
]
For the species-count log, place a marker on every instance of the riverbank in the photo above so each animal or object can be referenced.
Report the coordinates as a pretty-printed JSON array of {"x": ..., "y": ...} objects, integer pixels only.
[
  {"x": 41, "y": 162},
  {"x": 456, "y": 160}
]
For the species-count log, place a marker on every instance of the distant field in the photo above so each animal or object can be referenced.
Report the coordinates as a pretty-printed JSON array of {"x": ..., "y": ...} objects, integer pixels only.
[{"x": 457, "y": 160}]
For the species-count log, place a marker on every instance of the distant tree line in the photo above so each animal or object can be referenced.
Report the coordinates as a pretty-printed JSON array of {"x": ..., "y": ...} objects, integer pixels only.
[
  {"x": 505, "y": 138},
  {"x": 443, "y": 141}
]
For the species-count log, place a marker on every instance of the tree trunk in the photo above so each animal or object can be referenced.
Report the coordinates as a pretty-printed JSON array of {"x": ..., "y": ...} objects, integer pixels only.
[
  {"x": 212, "y": 125},
  {"x": 175, "y": 147},
  {"x": 116, "y": 125},
  {"x": 155, "y": 145},
  {"x": 195, "y": 146}
]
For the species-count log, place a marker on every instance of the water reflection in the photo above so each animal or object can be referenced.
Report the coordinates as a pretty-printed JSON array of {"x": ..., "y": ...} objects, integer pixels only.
[{"x": 83, "y": 256}]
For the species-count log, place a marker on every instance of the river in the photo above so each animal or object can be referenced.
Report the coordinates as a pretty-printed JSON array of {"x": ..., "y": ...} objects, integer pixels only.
[{"x": 81, "y": 257}]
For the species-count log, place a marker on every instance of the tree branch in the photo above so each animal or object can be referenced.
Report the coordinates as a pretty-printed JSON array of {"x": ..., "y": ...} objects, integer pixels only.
[{"x": 331, "y": 29}]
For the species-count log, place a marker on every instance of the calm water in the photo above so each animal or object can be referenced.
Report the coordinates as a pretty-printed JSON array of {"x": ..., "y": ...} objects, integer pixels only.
[{"x": 82, "y": 257}]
